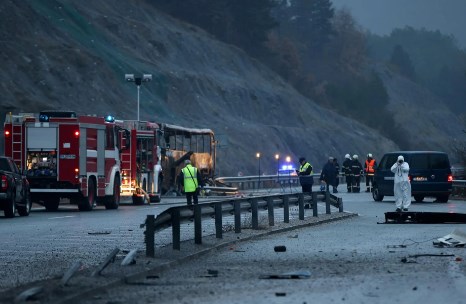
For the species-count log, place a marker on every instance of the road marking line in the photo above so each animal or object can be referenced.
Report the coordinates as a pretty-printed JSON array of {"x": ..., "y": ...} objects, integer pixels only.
[{"x": 60, "y": 217}]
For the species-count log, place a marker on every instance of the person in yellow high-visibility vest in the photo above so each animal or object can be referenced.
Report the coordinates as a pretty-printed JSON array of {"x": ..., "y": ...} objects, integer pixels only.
[{"x": 191, "y": 182}]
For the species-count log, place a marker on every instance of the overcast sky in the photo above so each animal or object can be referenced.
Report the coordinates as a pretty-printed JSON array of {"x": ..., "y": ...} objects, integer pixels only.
[{"x": 381, "y": 16}]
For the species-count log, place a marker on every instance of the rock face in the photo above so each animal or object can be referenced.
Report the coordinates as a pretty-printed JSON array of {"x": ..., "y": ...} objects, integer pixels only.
[{"x": 73, "y": 56}]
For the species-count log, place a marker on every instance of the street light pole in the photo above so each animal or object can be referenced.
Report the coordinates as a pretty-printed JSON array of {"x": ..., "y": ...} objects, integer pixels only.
[
  {"x": 258, "y": 155},
  {"x": 277, "y": 157},
  {"x": 138, "y": 81},
  {"x": 288, "y": 160}
]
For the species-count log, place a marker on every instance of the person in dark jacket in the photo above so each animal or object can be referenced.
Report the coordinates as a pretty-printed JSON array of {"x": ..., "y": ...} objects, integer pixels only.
[
  {"x": 328, "y": 175},
  {"x": 356, "y": 171},
  {"x": 337, "y": 174},
  {"x": 346, "y": 170}
]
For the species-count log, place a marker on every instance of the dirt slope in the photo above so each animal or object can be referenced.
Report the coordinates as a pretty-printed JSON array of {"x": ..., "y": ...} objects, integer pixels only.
[{"x": 74, "y": 54}]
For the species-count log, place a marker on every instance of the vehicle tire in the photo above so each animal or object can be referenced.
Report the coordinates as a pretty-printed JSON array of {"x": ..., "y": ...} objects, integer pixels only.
[
  {"x": 418, "y": 198},
  {"x": 26, "y": 209},
  {"x": 114, "y": 201},
  {"x": 51, "y": 204},
  {"x": 443, "y": 198},
  {"x": 10, "y": 208},
  {"x": 87, "y": 203},
  {"x": 376, "y": 194}
]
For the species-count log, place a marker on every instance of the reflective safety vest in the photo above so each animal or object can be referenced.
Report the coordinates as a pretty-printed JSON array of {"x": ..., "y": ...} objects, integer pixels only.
[
  {"x": 304, "y": 167},
  {"x": 370, "y": 167},
  {"x": 190, "y": 178}
]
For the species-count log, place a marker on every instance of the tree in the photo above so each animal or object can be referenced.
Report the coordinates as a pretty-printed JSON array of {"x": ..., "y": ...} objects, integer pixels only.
[{"x": 402, "y": 60}]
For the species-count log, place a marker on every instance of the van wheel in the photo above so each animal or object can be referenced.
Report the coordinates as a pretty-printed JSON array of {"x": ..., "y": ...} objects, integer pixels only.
[
  {"x": 87, "y": 203},
  {"x": 443, "y": 198},
  {"x": 376, "y": 195},
  {"x": 418, "y": 198}
]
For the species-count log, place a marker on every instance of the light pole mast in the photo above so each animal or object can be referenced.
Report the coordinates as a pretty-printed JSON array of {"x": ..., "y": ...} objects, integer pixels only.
[{"x": 138, "y": 81}]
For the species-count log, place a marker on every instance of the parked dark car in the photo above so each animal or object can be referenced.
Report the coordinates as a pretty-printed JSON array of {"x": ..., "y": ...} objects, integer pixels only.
[
  {"x": 429, "y": 173},
  {"x": 14, "y": 189}
]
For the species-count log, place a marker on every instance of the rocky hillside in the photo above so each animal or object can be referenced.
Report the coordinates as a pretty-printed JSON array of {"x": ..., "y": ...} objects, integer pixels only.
[{"x": 73, "y": 55}]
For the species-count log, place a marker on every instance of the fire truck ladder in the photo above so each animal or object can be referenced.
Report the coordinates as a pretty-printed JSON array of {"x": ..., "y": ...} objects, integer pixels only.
[{"x": 17, "y": 143}]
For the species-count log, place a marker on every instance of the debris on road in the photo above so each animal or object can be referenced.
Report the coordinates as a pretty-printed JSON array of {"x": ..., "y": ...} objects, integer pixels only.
[
  {"x": 301, "y": 274},
  {"x": 129, "y": 259},
  {"x": 110, "y": 258},
  {"x": 99, "y": 232},
  {"x": 29, "y": 294},
  {"x": 70, "y": 272},
  {"x": 455, "y": 239},
  {"x": 280, "y": 248}
]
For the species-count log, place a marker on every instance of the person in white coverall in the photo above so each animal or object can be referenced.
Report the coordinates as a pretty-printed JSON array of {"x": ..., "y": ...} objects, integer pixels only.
[{"x": 402, "y": 186}]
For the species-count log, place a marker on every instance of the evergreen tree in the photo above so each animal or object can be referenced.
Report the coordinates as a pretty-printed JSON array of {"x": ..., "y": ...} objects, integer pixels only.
[{"x": 402, "y": 60}]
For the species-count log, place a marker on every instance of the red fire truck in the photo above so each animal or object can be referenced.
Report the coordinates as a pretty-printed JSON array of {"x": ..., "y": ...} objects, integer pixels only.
[
  {"x": 140, "y": 163},
  {"x": 68, "y": 156}
]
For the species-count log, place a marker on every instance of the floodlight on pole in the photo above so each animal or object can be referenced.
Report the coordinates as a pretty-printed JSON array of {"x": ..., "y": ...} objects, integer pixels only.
[{"x": 138, "y": 81}]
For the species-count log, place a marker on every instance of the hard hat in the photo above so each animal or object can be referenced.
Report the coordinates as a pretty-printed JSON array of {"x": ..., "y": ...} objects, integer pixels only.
[
  {"x": 347, "y": 156},
  {"x": 187, "y": 161},
  {"x": 401, "y": 158},
  {"x": 355, "y": 156},
  {"x": 369, "y": 155}
]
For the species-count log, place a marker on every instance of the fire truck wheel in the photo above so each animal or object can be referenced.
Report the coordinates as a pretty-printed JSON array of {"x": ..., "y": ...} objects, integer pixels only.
[
  {"x": 114, "y": 201},
  {"x": 51, "y": 204},
  {"x": 87, "y": 203},
  {"x": 10, "y": 208}
]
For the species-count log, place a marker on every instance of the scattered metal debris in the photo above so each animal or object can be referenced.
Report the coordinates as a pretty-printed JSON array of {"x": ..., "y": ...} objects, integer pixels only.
[
  {"x": 424, "y": 217},
  {"x": 29, "y": 294},
  {"x": 430, "y": 255},
  {"x": 70, "y": 272},
  {"x": 455, "y": 239},
  {"x": 280, "y": 248},
  {"x": 129, "y": 259},
  {"x": 211, "y": 273},
  {"x": 293, "y": 236},
  {"x": 302, "y": 274},
  {"x": 280, "y": 294},
  {"x": 110, "y": 258},
  {"x": 99, "y": 232}
]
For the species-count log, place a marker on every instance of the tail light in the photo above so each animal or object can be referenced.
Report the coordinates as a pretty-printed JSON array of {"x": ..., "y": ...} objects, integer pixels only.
[
  {"x": 76, "y": 134},
  {"x": 450, "y": 178},
  {"x": 4, "y": 183},
  {"x": 7, "y": 133}
]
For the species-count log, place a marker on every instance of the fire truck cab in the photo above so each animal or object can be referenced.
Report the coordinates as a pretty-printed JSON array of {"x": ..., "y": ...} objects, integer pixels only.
[{"x": 68, "y": 156}]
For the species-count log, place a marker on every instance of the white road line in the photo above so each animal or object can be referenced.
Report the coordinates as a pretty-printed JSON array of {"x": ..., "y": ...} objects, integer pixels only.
[{"x": 60, "y": 217}]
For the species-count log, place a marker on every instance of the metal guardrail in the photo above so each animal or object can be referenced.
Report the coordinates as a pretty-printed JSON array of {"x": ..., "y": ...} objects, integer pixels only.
[
  {"x": 457, "y": 183},
  {"x": 175, "y": 216}
]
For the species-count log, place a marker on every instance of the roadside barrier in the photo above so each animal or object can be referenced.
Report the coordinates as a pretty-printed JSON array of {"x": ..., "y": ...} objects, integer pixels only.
[{"x": 175, "y": 216}]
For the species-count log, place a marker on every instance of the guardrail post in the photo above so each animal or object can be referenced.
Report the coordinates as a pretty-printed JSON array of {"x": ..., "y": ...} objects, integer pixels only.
[
  {"x": 327, "y": 202},
  {"x": 315, "y": 213},
  {"x": 218, "y": 220},
  {"x": 270, "y": 211},
  {"x": 197, "y": 224},
  {"x": 286, "y": 209},
  {"x": 237, "y": 216},
  {"x": 150, "y": 235},
  {"x": 176, "y": 233},
  {"x": 340, "y": 204},
  {"x": 255, "y": 213},
  {"x": 301, "y": 205}
]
